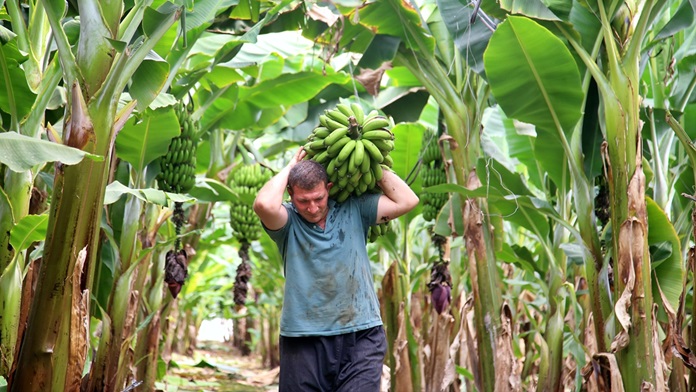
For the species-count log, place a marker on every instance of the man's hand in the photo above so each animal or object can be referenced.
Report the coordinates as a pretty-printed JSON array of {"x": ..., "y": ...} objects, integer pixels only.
[
  {"x": 269, "y": 201},
  {"x": 398, "y": 197},
  {"x": 299, "y": 155}
]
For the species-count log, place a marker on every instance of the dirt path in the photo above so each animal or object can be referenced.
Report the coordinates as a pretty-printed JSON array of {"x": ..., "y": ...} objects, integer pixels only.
[{"x": 217, "y": 367}]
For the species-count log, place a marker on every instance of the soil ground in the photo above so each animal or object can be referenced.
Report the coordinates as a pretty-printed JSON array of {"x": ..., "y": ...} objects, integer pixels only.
[{"x": 216, "y": 366}]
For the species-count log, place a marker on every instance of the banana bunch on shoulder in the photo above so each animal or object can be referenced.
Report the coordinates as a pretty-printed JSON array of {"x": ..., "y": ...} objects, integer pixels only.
[
  {"x": 432, "y": 173},
  {"x": 246, "y": 181},
  {"x": 353, "y": 147},
  {"x": 178, "y": 166}
]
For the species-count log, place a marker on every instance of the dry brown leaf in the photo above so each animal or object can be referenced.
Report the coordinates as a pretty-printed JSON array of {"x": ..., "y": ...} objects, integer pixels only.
[
  {"x": 630, "y": 254},
  {"x": 372, "y": 78},
  {"x": 661, "y": 368},
  {"x": 79, "y": 327},
  {"x": 591, "y": 348},
  {"x": 435, "y": 366},
  {"x": 506, "y": 365},
  {"x": 402, "y": 367},
  {"x": 322, "y": 14},
  {"x": 674, "y": 343},
  {"x": 613, "y": 367}
]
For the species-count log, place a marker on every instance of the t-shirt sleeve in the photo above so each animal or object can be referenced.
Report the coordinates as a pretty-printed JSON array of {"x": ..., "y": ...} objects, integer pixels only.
[
  {"x": 368, "y": 208},
  {"x": 279, "y": 235}
]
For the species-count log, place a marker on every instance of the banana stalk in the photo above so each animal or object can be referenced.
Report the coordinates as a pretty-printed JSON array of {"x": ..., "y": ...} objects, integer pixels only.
[
  {"x": 623, "y": 164},
  {"x": 11, "y": 289},
  {"x": 461, "y": 111}
]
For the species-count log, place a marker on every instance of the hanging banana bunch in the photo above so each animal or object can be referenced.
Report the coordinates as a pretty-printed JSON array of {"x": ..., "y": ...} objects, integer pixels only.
[
  {"x": 354, "y": 148},
  {"x": 245, "y": 181},
  {"x": 432, "y": 173},
  {"x": 178, "y": 165},
  {"x": 177, "y": 175}
]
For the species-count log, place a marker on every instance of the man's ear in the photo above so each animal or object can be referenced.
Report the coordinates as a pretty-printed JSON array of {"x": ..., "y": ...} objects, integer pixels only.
[{"x": 329, "y": 185}]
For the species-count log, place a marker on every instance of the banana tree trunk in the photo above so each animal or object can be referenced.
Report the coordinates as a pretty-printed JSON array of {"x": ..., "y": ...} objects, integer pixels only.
[
  {"x": 96, "y": 76},
  {"x": 73, "y": 226},
  {"x": 623, "y": 163}
]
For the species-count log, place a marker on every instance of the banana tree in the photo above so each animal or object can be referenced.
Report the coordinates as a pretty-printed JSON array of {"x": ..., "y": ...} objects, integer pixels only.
[
  {"x": 29, "y": 80},
  {"x": 52, "y": 354},
  {"x": 616, "y": 79}
]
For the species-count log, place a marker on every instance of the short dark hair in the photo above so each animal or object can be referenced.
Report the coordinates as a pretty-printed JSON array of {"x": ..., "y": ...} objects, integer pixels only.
[{"x": 307, "y": 174}]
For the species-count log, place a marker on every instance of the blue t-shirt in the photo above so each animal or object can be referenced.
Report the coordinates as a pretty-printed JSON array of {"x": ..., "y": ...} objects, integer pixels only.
[{"x": 328, "y": 280}]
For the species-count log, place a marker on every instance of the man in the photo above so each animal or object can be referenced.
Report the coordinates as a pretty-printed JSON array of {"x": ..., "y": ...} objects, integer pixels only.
[{"x": 331, "y": 335}]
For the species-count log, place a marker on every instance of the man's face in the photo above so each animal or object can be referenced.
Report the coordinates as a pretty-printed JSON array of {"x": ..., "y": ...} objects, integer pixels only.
[{"x": 312, "y": 204}]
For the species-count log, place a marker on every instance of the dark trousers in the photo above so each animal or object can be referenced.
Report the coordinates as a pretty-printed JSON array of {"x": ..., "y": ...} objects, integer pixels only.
[{"x": 348, "y": 362}]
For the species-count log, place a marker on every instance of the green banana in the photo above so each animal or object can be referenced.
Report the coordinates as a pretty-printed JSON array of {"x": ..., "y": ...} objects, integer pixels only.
[
  {"x": 342, "y": 170},
  {"x": 346, "y": 150},
  {"x": 359, "y": 153},
  {"x": 388, "y": 160},
  {"x": 351, "y": 161},
  {"x": 337, "y": 116},
  {"x": 371, "y": 114},
  {"x": 365, "y": 164},
  {"x": 336, "y": 134},
  {"x": 384, "y": 145},
  {"x": 355, "y": 178},
  {"x": 331, "y": 167},
  {"x": 345, "y": 109},
  {"x": 321, "y": 132},
  {"x": 358, "y": 112},
  {"x": 378, "y": 134},
  {"x": 374, "y": 152},
  {"x": 377, "y": 172},
  {"x": 337, "y": 146},
  {"x": 317, "y": 144},
  {"x": 375, "y": 123},
  {"x": 342, "y": 196},
  {"x": 333, "y": 124},
  {"x": 322, "y": 157}
]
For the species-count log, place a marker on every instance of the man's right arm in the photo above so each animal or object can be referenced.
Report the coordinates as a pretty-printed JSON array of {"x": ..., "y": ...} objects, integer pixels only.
[{"x": 268, "y": 204}]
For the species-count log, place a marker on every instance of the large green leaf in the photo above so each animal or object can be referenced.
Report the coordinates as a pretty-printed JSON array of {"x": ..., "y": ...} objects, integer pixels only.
[
  {"x": 244, "y": 107},
  {"x": 382, "y": 49},
  {"x": 682, "y": 19},
  {"x": 211, "y": 190},
  {"x": 670, "y": 271},
  {"x": 30, "y": 229},
  {"x": 202, "y": 13},
  {"x": 115, "y": 190},
  {"x": 520, "y": 142},
  {"x": 16, "y": 98},
  {"x": 142, "y": 141},
  {"x": 289, "y": 89},
  {"x": 392, "y": 17},
  {"x": 544, "y": 89},
  {"x": 533, "y": 76},
  {"x": 407, "y": 145},
  {"x": 531, "y": 8},
  {"x": 21, "y": 153},
  {"x": 148, "y": 80},
  {"x": 470, "y": 38},
  {"x": 6, "y": 35}
]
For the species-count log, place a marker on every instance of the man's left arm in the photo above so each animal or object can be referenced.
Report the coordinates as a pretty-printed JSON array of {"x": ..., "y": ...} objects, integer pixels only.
[{"x": 397, "y": 198}]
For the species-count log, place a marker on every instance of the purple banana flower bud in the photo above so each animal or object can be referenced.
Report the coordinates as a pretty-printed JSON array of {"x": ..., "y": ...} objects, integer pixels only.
[{"x": 441, "y": 297}]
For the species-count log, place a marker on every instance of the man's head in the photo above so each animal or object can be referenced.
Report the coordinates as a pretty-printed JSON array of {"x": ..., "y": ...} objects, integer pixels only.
[{"x": 308, "y": 186}]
